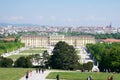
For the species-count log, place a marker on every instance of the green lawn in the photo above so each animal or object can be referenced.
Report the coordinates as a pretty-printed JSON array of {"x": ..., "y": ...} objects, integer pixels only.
[
  {"x": 25, "y": 53},
  {"x": 32, "y": 51},
  {"x": 12, "y": 73},
  {"x": 16, "y": 56},
  {"x": 41, "y": 48},
  {"x": 82, "y": 75}
]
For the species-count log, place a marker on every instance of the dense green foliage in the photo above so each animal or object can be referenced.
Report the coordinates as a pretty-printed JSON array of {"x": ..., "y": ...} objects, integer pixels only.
[
  {"x": 108, "y": 55},
  {"x": 9, "y": 46},
  {"x": 64, "y": 57},
  {"x": 46, "y": 57},
  {"x": 97, "y": 36},
  {"x": 77, "y": 75},
  {"x": 13, "y": 73},
  {"x": 88, "y": 66},
  {"x": 104, "y": 36},
  {"x": 23, "y": 62},
  {"x": 6, "y": 62},
  {"x": 73, "y": 33}
]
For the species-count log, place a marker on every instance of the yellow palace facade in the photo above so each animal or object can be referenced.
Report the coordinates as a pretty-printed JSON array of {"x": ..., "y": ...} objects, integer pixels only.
[{"x": 46, "y": 41}]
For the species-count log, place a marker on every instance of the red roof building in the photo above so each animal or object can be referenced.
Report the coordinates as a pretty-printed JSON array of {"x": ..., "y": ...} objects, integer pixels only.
[
  {"x": 111, "y": 40},
  {"x": 9, "y": 39}
]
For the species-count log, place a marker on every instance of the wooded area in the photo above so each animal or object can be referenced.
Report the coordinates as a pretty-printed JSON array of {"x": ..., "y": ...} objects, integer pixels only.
[{"x": 108, "y": 55}]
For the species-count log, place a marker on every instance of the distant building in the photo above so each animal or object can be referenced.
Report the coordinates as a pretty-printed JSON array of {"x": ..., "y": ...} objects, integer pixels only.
[
  {"x": 8, "y": 39},
  {"x": 44, "y": 41},
  {"x": 111, "y": 40}
]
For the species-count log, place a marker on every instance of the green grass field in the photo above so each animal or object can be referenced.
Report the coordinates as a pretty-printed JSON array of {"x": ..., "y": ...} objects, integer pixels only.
[
  {"x": 17, "y": 73},
  {"x": 25, "y": 53},
  {"x": 32, "y": 51},
  {"x": 82, "y": 75},
  {"x": 15, "y": 56},
  {"x": 12, "y": 73},
  {"x": 40, "y": 48}
]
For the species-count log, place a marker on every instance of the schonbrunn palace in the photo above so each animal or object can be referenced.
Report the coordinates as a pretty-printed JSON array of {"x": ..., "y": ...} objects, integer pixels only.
[{"x": 46, "y": 41}]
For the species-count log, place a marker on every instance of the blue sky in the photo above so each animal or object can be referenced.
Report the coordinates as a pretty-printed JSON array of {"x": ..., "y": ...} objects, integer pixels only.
[{"x": 61, "y": 12}]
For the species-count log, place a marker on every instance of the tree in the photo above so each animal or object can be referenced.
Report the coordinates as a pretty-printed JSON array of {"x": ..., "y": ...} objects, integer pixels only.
[
  {"x": 6, "y": 62},
  {"x": 9, "y": 46},
  {"x": 107, "y": 55},
  {"x": 64, "y": 57},
  {"x": 23, "y": 62},
  {"x": 46, "y": 57}
]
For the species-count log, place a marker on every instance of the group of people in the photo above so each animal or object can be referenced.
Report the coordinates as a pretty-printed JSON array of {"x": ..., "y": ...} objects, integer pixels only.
[
  {"x": 29, "y": 73},
  {"x": 88, "y": 78},
  {"x": 109, "y": 78},
  {"x": 39, "y": 70}
]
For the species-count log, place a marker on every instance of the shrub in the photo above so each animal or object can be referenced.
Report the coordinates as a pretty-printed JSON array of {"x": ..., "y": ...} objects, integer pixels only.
[
  {"x": 6, "y": 62},
  {"x": 23, "y": 62}
]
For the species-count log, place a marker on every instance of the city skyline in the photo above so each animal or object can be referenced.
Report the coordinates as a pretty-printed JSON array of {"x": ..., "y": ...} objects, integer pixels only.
[{"x": 61, "y": 12}]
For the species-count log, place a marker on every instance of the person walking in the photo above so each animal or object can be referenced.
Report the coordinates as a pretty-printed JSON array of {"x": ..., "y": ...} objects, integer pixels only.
[
  {"x": 30, "y": 73},
  {"x": 42, "y": 70},
  {"x": 39, "y": 70},
  {"x": 27, "y": 75},
  {"x": 89, "y": 78},
  {"x": 36, "y": 70},
  {"x": 57, "y": 77}
]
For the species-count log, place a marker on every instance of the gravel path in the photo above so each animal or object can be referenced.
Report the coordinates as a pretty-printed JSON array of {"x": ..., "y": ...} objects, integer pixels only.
[{"x": 37, "y": 76}]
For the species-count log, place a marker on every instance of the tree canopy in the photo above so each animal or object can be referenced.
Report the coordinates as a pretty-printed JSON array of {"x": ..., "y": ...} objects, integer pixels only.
[
  {"x": 108, "y": 55},
  {"x": 23, "y": 62},
  {"x": 9, "y": 46},
  {"x": 5, "y": 62},
  {"x": 64, "y": 57}
]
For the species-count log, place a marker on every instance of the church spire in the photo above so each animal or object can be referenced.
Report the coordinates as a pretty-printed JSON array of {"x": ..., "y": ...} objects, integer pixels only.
[{"x": 110, "y": 26}]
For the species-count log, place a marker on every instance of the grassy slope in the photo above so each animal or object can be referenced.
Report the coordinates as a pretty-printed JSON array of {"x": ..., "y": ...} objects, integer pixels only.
[
  {"x": 12, "y": 73},
  {"x": 16, "y": 56},
  {"x": 82, "y": 76},
  {"x": 25, "y": 53},
  {"x": 32, "y": 51}
]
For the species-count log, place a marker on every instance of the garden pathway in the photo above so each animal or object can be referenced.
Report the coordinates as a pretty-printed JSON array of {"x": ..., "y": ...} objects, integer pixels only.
[
  {"x": 41, "y": 76},
  {"x": 37, "y": 76}
]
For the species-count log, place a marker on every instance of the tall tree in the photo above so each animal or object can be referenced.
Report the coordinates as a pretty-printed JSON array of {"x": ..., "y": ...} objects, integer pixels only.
[
  {"x": 46, "y": 57},
  {"x": 64, "y": 57}
]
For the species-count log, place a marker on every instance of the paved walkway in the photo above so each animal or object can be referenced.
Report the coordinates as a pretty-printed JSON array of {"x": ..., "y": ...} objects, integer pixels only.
[{"x": 37, "y": 76}]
